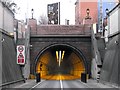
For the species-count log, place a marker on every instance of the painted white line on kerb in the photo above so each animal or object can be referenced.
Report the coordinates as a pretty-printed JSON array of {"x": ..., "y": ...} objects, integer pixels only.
[
  {"x": 22, "y": 85},
  {"x": 84, "y": 84},
  {"x": 61, "y": 84}
]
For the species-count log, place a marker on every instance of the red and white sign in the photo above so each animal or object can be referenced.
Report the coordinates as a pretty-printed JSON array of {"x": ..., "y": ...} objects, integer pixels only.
[{"x": 21, "y": 54}]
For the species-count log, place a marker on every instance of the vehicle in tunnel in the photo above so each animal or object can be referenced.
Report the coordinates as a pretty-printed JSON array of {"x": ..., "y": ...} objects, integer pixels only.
[{"x": 60, "y": 62}]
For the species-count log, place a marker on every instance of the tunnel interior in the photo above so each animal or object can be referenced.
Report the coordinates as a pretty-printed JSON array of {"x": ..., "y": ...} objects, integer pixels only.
[{"x": 60, "y": 62}]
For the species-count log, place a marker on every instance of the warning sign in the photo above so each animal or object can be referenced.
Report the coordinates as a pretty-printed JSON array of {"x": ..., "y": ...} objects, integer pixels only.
[{"x": 21, "y": 54}]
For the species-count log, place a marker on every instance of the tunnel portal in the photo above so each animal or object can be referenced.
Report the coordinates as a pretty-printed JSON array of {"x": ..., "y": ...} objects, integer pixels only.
[{"x": 60, "y": 62}]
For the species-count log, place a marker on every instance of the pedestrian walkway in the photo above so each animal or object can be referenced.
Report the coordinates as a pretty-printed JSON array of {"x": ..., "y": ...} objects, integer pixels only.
[
  {"x": 94, "y": 84},
  {"x": 28, "y": 84}
]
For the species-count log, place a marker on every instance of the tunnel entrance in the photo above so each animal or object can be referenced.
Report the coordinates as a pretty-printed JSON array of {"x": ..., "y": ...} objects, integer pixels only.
[{"x": 60, "y": 62}]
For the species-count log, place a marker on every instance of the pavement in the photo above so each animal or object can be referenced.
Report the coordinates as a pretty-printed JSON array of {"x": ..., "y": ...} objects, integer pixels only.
[
  {"x": 28, "y": 84},
  {"x": 95, "y": 84}
]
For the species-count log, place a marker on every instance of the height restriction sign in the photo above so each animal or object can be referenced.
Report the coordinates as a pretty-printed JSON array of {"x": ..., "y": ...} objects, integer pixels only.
[{"x": 21, "y": 54}]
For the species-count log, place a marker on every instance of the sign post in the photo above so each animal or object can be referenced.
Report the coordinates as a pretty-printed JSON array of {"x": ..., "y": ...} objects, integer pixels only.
[{"x": 21, "y": 54}]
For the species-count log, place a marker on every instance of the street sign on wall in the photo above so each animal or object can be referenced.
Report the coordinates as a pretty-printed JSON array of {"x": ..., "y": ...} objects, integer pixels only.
[{"x": 21, "y": 54}]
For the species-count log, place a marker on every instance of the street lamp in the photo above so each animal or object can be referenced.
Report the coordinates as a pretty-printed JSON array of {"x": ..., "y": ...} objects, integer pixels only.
[
  {"x": 105, "y": 21},
  {"x": 32, "y": 11},
  {"x": 106, "y": 11},
  {"x": 88, "y": 12}
]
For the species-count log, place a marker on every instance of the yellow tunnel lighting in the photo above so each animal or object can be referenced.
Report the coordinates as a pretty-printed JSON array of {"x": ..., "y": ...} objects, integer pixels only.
[
  {"x": 44, "y": 65},
  {"x": 59, "y": 58},
  {"x": 63, "y": 54},
  {"x": 57, "y": 55}
]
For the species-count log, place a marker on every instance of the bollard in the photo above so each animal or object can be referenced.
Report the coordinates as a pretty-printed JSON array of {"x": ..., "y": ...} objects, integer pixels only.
[
  {"x": 38, "y": 78},
  {"x": 84, "y": 77}
]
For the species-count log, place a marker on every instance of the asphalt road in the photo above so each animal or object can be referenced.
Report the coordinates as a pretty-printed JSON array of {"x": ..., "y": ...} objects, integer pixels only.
[
  {"x": 61, "y": 84},
  {"x": 49, "y": 84},
  {"x": 74, "y": 84}
]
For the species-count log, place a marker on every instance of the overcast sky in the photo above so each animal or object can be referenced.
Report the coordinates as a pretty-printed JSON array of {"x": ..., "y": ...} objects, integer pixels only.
[
  {"x": 40, "y": 8},
  {"x": 67, "y": 8}
]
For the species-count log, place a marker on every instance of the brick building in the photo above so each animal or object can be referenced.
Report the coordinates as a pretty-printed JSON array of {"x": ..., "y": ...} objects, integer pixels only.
[
  {"x": 94, "y": 6},
  {"x": 80, "y": 11}
]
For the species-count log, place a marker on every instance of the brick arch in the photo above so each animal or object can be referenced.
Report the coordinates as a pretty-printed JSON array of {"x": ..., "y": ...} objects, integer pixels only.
[{"x": 76, "y": 50}]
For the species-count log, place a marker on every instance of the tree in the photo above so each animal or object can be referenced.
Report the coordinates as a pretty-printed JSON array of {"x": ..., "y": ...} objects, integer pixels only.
[
  {"x": 11, "y": 5},
  {"x": 43, "y": 20}
]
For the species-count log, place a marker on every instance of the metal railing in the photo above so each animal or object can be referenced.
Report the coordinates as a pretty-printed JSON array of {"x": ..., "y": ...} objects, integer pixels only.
[
  {"x": 96, "y": 55},
  {"x": 12, "y": 82},
  {"x": 95, "y": 52}
]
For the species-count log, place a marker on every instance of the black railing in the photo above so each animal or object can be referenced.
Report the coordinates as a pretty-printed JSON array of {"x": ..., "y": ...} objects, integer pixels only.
[
  {"x": 95, "y": 52},
  {"x": 12, "y": 82}
]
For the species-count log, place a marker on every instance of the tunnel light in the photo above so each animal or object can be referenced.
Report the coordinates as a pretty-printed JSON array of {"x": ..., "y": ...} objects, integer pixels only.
[
  {"x": 60, "y": 55},
  {"x": 63, "y": 54},
  {"x": 57, "y": 55},
  {"x": 59, "y": 58}
]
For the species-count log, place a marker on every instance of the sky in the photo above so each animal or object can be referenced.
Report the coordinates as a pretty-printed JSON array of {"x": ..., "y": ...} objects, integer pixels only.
[{"x": 67, "y": 9}]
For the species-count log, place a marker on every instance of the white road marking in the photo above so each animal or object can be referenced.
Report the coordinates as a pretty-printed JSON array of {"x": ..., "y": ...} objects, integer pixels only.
[
  {"x": 61, "y": 84},
  {"x": 36, "y": 85}
]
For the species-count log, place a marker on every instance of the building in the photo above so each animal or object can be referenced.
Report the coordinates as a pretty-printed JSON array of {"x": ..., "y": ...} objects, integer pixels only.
[
  {"x": 94, "y": 10},
  {"x": 81, "y": 11},
  {"x": 112, "y": 27},
  {"x": 106, "y": 5},
  {"x": 6, "y": 19},
  {"x": 113, "y": 22}
]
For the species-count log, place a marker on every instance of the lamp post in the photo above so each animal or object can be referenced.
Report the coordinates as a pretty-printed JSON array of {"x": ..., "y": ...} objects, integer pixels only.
[
  {"x": 105, "y": 23},
  {"x": 32, "y": 11},
  {"x": 87, "y": 19},
  {"x": 106, "y": 12},
  {"x": 88, "y": 12}
]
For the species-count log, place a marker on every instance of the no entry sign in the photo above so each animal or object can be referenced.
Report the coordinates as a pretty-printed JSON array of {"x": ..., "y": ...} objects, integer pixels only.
[{"x": 21, "y": 54}]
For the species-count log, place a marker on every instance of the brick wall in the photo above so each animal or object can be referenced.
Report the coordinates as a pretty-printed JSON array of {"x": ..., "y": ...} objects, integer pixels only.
[{"x": 61, "y": 30}]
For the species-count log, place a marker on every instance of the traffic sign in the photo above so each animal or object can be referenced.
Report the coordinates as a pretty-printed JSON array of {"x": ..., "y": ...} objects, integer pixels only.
[{"x": 21, "y": 54}]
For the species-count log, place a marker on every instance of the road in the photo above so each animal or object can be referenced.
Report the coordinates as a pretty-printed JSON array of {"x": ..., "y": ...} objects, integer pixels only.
[{"x": 60, "y": 84}]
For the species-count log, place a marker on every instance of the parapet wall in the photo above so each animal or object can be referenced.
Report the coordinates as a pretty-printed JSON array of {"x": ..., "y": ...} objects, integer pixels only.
[
  {"x": 111, "y": 63},
  {"x": 61, "y": 30},
  {"x": 11, "y": 72}
]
